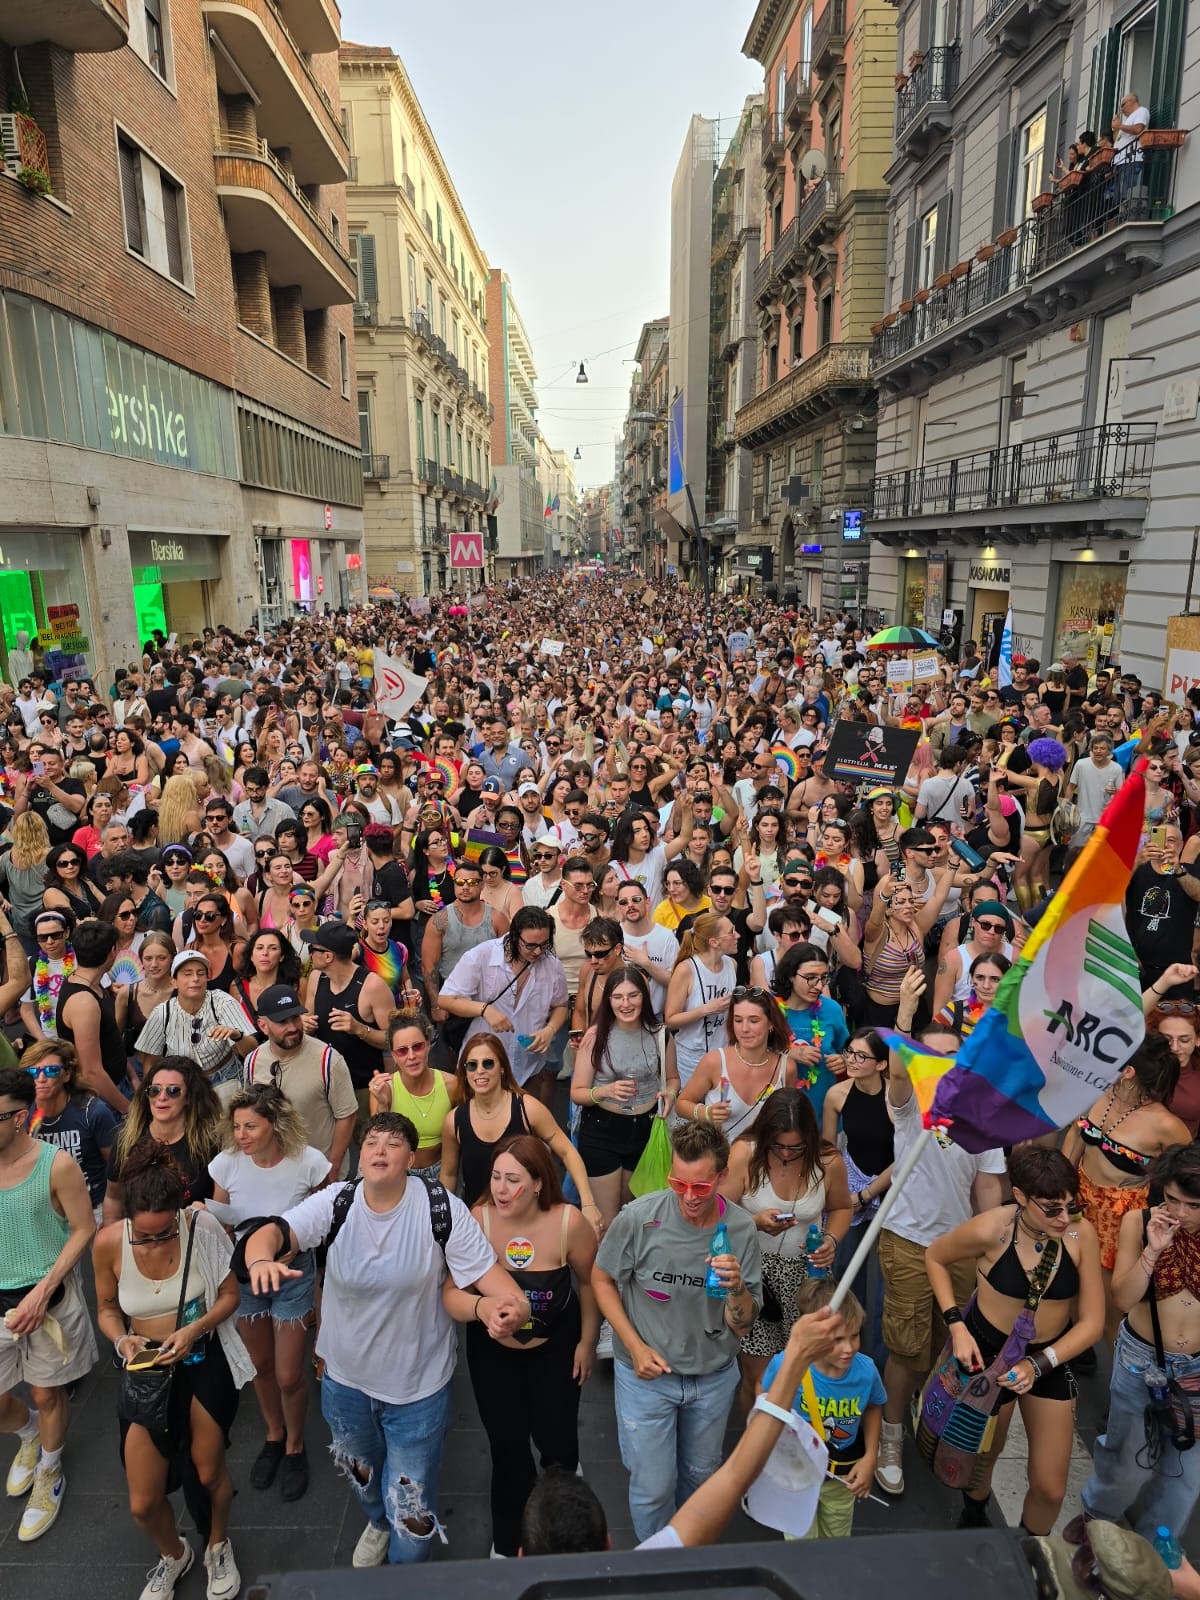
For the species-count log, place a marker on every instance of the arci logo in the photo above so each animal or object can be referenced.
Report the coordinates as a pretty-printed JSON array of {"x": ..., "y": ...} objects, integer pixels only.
[{"x": 147, "y": 424}]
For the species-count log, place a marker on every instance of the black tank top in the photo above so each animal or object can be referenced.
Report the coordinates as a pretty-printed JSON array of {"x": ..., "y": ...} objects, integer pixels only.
[
  {"x": 475, "y": 1154},
  {"x": 112, "y": 1045},
  {"x": 363, "y": 1059},
  {"x": 868, "y": 1130},
  {"x": 550, "y": 1292}
]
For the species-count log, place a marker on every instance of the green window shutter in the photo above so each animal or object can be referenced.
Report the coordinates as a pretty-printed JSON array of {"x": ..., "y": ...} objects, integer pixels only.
[
  {"x": 1102, "y": 96},
  {"x": 1162, "y": 98},
  {"x": 944, "y": 253},
  {"x": 368, "y": 276},
  {"x": 1002, "y": 198},
  {"x": 912, "y": 241}
]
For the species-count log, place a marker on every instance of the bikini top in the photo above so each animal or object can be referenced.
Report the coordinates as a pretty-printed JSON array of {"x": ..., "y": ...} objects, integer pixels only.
[
  {"x": 1178, "y": 1268},
  {"x": 1009, "y": 1277},
  {"x": 1132, "y": 1162}
]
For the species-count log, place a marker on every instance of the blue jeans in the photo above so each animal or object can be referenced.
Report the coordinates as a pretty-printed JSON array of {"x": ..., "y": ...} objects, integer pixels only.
[
  {"x": 671, "y": 1431},
  {"x": 1120, "y": 1483},
  {"x": 392, "y": 1457}
]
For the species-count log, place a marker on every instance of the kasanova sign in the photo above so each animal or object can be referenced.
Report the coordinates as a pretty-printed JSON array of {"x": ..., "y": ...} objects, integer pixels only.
[{"x": 988, "y": 575}]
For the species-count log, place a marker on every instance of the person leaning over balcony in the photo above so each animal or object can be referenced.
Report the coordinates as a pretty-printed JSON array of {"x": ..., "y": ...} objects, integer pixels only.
[{"x": 1130, "y": 122}]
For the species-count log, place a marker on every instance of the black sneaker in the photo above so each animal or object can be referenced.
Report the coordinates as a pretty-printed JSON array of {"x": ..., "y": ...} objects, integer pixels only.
[
  {"x": 266, "y": 1464},
  {"x": 295, "y": 1476}
]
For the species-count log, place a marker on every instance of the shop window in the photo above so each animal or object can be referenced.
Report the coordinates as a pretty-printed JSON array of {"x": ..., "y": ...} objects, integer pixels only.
[{"x": 1091, "y": 597}]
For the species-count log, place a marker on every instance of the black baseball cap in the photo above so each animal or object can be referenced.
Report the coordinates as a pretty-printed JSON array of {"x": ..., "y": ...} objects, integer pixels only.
[
  {"x": 335, "y": 937},
  {"x": 279, "y": 1003}
]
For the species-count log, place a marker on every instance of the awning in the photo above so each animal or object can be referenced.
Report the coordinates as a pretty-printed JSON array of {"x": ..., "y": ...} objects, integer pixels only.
[{"x": 669, "y": 528}]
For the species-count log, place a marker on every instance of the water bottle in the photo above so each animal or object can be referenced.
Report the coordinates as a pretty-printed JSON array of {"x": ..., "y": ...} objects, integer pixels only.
[
  {"x": 718, "y": 1246},
  {"x": 1168, "y": 1548},
  {"x": 525, "y": 1040},
  {"x": 192, "y": 1312},
  {"x": 1156, "y": 1382},
  {"x": 813, "y": 1240}
]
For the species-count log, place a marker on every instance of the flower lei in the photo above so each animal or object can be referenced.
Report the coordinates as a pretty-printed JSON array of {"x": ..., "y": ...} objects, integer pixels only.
[{"x": 46, "y": 985}]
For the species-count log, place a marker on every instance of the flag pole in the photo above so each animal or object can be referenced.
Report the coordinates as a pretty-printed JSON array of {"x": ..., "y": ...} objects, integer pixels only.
[{"x": 859, "y": 1259}]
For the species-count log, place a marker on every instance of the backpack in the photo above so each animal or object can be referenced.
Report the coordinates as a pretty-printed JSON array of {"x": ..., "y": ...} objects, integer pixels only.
[{"x": 440, "y": 1216}]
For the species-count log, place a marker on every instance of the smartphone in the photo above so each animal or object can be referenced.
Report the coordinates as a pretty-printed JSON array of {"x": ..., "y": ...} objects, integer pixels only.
[
  {"x": 1158, "y": 838},
  {"x": 968, "y": 854},
  {"x": 575, "y": 1035},
  {"x": 145, "y": 1358},
  {"x": 784, "y": 1216},
  {"x": 37, "y": 768}
]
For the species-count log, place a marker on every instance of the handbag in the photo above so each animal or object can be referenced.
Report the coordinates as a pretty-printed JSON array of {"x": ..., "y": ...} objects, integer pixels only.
[
  {"x": 1168, "y": 1419},
  {"x": 957, "y": 1421},
  {"x": 144, "y": 1396}
]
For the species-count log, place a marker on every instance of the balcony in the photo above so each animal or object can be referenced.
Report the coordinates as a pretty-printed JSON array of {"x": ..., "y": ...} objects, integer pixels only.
[
  {"x": 816, "y": 215},
  {"x": 377, "y": 469},
  {"x": 783, "y": 257},
  {"x": 293, "y": 111},
  {"x": 730, "y": 344},
  {"x": 426, "y": 471},
  {"x": 86, "y": 27},
  {"x": 1097, "y": 476},
  {"x": 410, "y": 189},
  {"x": 1087, "y": 246},
  {"x": 922, "y": 109},
  {"x": 727, "y": 433},
  {"x": 829, "y": 37},
  {"x": 23, "y": 151},
  {"x": 838, "y": 373},
  {"x": 265, "y": 209},
  {"x": 453, "y": 482},
  {"x": 797, "y": 100},
  {"x": 772, "y": 138},
  {"x": 1010, "y": 23},
  {"x": 366, "y": 313},
  {"x": 761, "y": 285},
  {"x": 315, "y": 24}
]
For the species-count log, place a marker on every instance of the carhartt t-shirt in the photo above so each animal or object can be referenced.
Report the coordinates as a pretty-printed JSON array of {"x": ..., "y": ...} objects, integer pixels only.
[{"x": 659, "y": 1262}]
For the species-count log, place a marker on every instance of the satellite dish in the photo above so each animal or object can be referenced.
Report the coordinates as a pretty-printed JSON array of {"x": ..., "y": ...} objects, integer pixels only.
[{"x": 814, "y": 165}]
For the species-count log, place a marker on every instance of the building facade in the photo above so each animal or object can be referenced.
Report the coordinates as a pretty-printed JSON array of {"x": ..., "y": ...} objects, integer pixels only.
[
  {"x": 420, "y": 331},
  {"x": 178, "y": 439},
  {"x": 641, "y": 478},
  {"x": 560, "y": 505},
  {"x": 513, "y": 392},
  {"x": 1037, "y": 361},
  {"x": 818, "y": 287}
]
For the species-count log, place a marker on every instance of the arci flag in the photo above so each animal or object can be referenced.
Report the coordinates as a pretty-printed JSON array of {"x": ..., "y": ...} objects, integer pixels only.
[
  {"x": 396, "y": 689},
  {"x": 1004, "y": 665},
  {"x": 1068, "y": 1013}
]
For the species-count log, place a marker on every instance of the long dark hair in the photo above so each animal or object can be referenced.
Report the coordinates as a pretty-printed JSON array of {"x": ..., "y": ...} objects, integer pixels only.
[
  {"x": 786, "y": 1111},
  {"x": 153, "y": 1181},
  {"x": 289, "y": 961},
  {"x": 650, "y": 1021},
  {"x": 779, "y": 1035}
]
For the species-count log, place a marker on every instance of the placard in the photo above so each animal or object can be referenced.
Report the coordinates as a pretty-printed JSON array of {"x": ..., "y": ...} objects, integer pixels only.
[
  {"x": 552, "y": 647},
  {"x": 738, "y": 643},
  {"x": 899, "y": 672},
  {"x": 925, "y": 666},
  {"x": 859, "y": 753}
]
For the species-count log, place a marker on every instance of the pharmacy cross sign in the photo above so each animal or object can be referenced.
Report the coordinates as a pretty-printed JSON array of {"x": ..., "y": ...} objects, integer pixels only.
[{"x": 466, "y": 549}]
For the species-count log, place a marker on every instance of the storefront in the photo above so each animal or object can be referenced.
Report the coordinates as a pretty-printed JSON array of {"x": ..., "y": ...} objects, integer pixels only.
[
  {"x": 1087, "y": 621},
  {"x": 43, "y": 602},
  {"x": 172, "y": 574},
  {"x": 988, "y": 581},
  {"x": 937, "y": 588},
  {"x": 911, "y": 596}
]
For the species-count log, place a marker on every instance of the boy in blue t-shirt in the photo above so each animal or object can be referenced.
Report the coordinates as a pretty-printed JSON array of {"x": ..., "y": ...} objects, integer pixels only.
[{"x": 850, "y": 1396}]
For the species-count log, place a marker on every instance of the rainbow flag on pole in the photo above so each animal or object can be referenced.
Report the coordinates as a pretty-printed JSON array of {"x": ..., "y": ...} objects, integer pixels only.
[
  {"x": 925, "y": 1068},
  {"x": 1063, "y": 1024}
]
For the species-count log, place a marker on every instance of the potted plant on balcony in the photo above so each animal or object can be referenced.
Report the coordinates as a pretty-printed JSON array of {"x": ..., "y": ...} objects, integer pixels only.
[
  {"x": 921, "y": 296},
  {"x": 1162, "y": 138},
  {"x": 985, "y": 252},
  {"x": 876, "y": 329},
  {"x": 916, "y": 60},
  {"x": 942, "y": 281},
  {"x": 906, "y": 306},
  {"x": 1042, "y": 202},
  {"x": 959, "y": 270},
  {"x": 890, "y": 320},
  {"x": 901, "y": 81},
  {"x": 1008, "y": 237}
]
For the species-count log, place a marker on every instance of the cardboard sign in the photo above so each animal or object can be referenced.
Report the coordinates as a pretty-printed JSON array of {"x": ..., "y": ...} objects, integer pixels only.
[
  {"x": 552, "y": 647},
  {"x": 1182, "y": 674},
  {"x": 899, "y": 673},
  {"x": 738, "y": 643},
  {"x": 859, "y": 753},
  {"x": 925, "y": 666}
]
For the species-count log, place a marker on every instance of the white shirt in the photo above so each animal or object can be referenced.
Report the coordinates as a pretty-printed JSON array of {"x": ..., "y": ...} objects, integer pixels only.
[
  {"x": 256, "y": 1191},
  {"x": 662, "y": 947},
  {"x": 384, "y": 1330},
  {"x": 937, "y": 1194},
  {"x": 239, "y": 852},
  {"x": 1126, "y": 144},
  {"x": 535, "y": 891},
  {"x": 484, "y": 974}
]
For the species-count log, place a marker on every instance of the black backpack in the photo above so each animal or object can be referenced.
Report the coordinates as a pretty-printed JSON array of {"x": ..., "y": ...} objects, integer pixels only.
[{"x": 440, "y": 1216}]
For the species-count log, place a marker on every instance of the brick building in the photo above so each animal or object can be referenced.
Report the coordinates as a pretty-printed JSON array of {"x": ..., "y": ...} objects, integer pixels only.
[{"x": 178, "y": 432}]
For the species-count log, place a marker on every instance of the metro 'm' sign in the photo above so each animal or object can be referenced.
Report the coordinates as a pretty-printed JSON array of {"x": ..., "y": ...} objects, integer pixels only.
[{"x": 466, "y": 549}]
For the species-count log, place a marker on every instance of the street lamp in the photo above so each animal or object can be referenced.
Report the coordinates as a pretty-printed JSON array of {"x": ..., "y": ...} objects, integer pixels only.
[{"x": 581, "y": 376}]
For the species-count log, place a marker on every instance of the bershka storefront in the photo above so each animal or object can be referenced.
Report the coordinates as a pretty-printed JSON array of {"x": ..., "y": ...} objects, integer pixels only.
[
  {"x": 173, "y": 575},
  {"x": 989, "y": 582}
]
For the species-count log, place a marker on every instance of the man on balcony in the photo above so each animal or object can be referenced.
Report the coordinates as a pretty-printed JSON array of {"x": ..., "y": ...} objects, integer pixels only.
[{"x": 1127, "y": 126}]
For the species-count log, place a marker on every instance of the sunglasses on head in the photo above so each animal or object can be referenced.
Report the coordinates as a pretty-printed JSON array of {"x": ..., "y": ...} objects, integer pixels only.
[
  {"x": 747, "y": 991},
  {"x": 1177, "y": 1008}
]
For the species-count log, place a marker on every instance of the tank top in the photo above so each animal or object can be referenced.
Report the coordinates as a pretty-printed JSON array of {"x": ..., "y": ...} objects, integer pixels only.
[
  {"x": 457, "y": 939},
  {"x": 427, "y": 1112},
  {"x": 362, "y": 1059},
  {"x": 476, "y": 1154},
  {"x": 631, "y": 1053},
  {"x": 806, "y": 1208},
  {"x": 869, "y": 1132},
  {"x": 962, "y": 984},
  {"x": 112, "y": 1045},
  {"x": 568, "y": 947},
  {"x": 743, "y": 1113},
  {"x": 32, "y": 1233},
  {"x": 144, "y": 1297},
  {"x": 889, "y": 966},
  {"x": 550, "y": 1291},
  {"x": 695, "y": 1038}
]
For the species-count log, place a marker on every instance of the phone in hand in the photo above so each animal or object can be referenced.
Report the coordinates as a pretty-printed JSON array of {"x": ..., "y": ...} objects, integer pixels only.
[
  {"x": 38, "y": 768},
  {"x": 1158, "y": 838}
]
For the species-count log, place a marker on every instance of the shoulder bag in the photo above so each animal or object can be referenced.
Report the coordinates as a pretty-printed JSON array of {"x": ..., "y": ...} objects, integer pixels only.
[{"x": 144, "y": 1396}]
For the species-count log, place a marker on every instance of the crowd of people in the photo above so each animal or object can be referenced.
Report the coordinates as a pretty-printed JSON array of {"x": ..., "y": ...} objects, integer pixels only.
[{"x": 555, "y": 1004}]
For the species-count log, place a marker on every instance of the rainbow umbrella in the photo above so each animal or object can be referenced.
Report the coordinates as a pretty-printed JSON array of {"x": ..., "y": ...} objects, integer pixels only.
[{"x": 902, "y": 639}]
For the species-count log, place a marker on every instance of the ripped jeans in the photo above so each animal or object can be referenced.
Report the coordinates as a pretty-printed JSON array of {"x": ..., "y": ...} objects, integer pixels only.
[{"x": 392, "y": 1457}]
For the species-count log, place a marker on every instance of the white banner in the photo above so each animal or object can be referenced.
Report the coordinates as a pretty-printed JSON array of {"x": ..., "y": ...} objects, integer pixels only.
[
  {"x": 552, "y": 647},
  {"x": 396, "y": 689}
]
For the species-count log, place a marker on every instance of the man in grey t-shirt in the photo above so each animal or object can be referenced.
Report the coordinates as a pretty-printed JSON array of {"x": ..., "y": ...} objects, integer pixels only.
[
  {"x": 1094, "y": 781},
  {"x": 675, "y": 1371}
]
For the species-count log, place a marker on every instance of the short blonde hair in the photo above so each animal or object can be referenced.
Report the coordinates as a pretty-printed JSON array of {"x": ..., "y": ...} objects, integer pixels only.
[{"x": 813, "y": 1293}]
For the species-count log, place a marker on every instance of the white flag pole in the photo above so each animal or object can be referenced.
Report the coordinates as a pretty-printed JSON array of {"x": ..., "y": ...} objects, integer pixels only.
[{"x": 859, "y": 1259}]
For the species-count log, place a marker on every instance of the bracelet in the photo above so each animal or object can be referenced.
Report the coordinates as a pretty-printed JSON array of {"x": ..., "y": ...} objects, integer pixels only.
[
  {"x": 1147, "y": 1266},
  {"x": 1154, "y": 989},
  {"x": 1051, "y": 1355},
  {"x": 260, "y": 1262},
  {"x": 592, "y": 1094},
  {"x": 11, "y": 936},
  {"x": 952, "y": 1316},
  {"x": 1037, "y": 1367},
  {"x": 475, "y": 1317},
  {"x": 119, "y": 1342}
]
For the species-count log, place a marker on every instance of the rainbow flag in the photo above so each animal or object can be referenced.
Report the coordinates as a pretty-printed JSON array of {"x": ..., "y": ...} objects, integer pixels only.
[
  {"x": 785, "y": 759},
  {"x": 1125, "y": 753},
  {"x": 925, "y": 1068},
  {"x": 1059, "y": 1031}
]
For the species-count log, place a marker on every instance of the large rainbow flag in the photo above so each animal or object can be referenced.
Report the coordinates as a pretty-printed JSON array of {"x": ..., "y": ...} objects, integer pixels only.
[
  {"x": 1068, "y": 1013},
  {"x": 925, "y": 1068}
]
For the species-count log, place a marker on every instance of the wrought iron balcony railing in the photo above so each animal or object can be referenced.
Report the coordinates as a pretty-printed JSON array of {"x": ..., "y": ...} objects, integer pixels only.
[{"x": 932, "y": 82}]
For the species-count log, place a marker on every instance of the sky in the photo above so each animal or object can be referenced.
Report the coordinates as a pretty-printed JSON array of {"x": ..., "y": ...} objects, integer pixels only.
[{"x": 561, "y": 125}]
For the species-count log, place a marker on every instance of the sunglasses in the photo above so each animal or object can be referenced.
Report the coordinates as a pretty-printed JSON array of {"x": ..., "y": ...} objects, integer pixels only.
[
  {"x": 992, "y": 927},
  {"x": 51, "y": 933},
  {"x": 69, "y": 861},
  {"x": 1177, "y": 1008},
  {"x": 171, "y": 1091},
  {"x": 746, "y": 991},
  {"x": 123, "y": 916},
  {"x": 482, "y": 1064},
  {"x": 793, "y": 935},
  {"x": 1057, "y": 1208},
  {"x": 701, "y": 1190},
  {"x": 151, "y": 1238},
  {"x": 45, "y": 1072},
  {"x": 208, "y": 916},
  {"x": 600, "y": 954}
]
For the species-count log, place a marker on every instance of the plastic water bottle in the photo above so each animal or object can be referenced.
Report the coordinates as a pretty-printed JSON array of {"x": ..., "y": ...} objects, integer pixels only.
[
  {"x": 1156, "y": 1382},
  {"x": 525, "y": 1040},
  {"x": 718, "y": 1246},
  {"x": 813, "y": 1240},
  {"x": 1168, "y": 1548},
  {"x": 192, "y": 1312}
]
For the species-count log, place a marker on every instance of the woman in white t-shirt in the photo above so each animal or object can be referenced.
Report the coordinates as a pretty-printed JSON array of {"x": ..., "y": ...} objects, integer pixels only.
[{"x": 265, "y": 1168}]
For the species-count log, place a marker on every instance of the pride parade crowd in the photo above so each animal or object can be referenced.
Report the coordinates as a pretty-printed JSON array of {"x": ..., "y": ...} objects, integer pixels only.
[{"x": 571, "y": 990}]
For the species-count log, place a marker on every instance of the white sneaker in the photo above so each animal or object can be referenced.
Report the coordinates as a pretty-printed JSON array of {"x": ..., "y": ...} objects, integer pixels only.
[
  {"x": 43, "y": 1505},
  {"x": 20, "y": 1474},
  {"x": 224, "y": 1579},
  {"x": 889, "y": 1469},
  {"x": 604, "y": 1348},
  {"x": 167, "y": 1573},
  {"x": 372, "y": 1547}
]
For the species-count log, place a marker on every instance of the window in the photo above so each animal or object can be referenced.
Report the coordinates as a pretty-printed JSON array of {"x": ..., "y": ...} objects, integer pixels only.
[
  {"x": 419, "y": 426},
  {"x": 362, "y": 253},
  {"x": 449, "y": 446},
  {"x": 403, "y": 155},
  {"x": 817, "y": 471},
  {"x": 156, "y": 47},
  {"x": 797, "y": 331},
  {"x": 780, "y": 86},
  {"x": 454, "y": 338},
  {"x": 364, "y": 420},
  {"x": 439, "y": 223},
  {"x": 927, "y": 248},
  {"x": 806, "y": 43},
  {"x": 429, "y": 297},
  {"x": 767, "y": 480},
  {"x": 442, "y": 317},
  {"x": 437, "y": 441},
  {"x": 1030, "y": 153},
  {"x": 453, "y": 255},
  {"x": 825, "y": 312},
  {"x": 344, "y": 364},
  {"x": 154, "y": 211},
  {"x": 462, "y": 462},
  {"x": 412, "y": 281}
]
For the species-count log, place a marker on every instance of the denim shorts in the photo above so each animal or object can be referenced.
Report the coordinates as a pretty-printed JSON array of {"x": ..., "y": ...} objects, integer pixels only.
[{"x": 292, "y": 1302}]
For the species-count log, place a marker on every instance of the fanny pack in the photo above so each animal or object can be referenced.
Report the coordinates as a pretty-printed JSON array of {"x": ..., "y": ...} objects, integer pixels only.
[{"x": 10, "y": 1299}]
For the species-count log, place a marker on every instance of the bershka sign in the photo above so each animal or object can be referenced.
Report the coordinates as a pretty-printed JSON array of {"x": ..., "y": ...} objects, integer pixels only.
[
  {"x": 166, "y": 550},
  {"x": 989, "y": 575},
  {"x": 148, "y": 424}
]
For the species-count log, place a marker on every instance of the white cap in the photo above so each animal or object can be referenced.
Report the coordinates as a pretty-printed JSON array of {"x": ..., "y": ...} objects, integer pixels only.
[
  {"x": 184, "y": 956},
  {"x": 529, "y": 788}
]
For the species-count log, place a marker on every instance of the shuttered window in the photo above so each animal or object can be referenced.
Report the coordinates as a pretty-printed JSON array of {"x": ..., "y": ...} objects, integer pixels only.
[
  {"x": 131, "y": 196},
  {"x": 363, "y": 253},
  {"x": 172, "y": 197}
]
